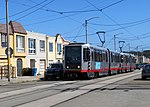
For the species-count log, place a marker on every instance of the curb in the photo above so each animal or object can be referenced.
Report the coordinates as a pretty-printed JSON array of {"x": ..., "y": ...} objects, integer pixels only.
[{"x": 19, "y": 80}]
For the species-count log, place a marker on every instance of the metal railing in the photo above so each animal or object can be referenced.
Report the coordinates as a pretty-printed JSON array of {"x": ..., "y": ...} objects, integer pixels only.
[{"x": 4, "y": 71}]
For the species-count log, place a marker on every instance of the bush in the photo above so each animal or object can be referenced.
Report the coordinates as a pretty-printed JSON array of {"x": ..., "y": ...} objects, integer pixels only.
[{"x": 27, "y": 72}]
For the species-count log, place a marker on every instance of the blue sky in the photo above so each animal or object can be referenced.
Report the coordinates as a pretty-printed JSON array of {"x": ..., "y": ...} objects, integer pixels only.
[{"x": 129, "y": 19}]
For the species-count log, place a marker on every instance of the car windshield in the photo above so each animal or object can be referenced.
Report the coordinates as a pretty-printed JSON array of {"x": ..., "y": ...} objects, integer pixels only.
[
  {"x": 147, "y": 66},
  {"x": 73, "y": 55},
  {"x": 55, "y": 66}
]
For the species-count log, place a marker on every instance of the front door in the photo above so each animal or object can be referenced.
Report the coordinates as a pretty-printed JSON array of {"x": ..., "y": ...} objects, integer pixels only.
[
  {"x": 32, "y": 63},
  {"x": 19, "y": 67}
]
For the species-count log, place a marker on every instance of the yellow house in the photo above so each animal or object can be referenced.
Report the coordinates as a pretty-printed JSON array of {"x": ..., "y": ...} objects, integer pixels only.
[
  {"x": 17, "y": 43},
  {"x": 55, "y": 45}
]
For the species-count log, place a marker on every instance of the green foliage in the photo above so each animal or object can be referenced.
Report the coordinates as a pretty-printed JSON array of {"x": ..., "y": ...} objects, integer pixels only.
[{"x": 27, "y": 72}]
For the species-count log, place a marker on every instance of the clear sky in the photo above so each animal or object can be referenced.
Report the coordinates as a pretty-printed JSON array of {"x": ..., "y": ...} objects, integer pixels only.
[{"x": 128, "y": 19}]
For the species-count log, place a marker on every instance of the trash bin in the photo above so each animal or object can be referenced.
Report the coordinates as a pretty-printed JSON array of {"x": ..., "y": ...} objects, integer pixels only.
[{"x": 34, "y": 71}]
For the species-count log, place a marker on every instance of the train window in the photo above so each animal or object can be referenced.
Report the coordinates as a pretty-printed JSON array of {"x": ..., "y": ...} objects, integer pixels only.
[
  {"x": 100, "y": 56},
  {"x": 106, "y": 57},
  {"x": 92, "y": 56},
  {"x": 114, "y": 58},
  {"x": 96, "y": 55},
  {"x": 103, "y": 56},
  {"x": 121, "y": 58},
  {"x": 86, "y": 54},
  {"x": 111, "y": 57},
  {"x": 126, "y": 59},
  {"x": 117, "y": 58}
]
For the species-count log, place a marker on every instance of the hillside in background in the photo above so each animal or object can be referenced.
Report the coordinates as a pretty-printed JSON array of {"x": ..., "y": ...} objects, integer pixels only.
[{"x": 146, "y": 53}]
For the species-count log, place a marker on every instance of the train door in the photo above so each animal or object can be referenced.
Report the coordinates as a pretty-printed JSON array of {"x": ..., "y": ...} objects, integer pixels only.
[
  {"x": 92, "y": 60},
  {"x": 109, "y": 61},
  {"x": 103, "y": 62},
  {"x": 86, "y": 64},
  {"x": 122, "y": 67}
]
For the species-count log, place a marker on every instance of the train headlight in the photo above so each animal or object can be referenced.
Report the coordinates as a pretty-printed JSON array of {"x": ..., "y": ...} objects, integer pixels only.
[
  {"x": 78, "y": 66},
  {"x": 67, "y": 66}
]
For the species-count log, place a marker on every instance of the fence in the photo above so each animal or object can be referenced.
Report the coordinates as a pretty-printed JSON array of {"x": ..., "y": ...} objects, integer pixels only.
[{"x": 4, "y": 71}]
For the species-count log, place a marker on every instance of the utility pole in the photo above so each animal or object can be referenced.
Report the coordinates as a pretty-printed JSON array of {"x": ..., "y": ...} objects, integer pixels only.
[
  {"x": 8, "y": 49},
  {"x": 86, "y": 33},
  {"x": 129, "y": 48},
  {"x": 137, "y": 55},
  {"x": 115, "y": 42}
]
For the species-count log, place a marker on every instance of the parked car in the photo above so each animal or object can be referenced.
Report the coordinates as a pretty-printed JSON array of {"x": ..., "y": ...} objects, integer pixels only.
[
  {"x": 55, "y": 70},
  {"x": 139, "y": 66},
  {"x": 145, "y": 71}
]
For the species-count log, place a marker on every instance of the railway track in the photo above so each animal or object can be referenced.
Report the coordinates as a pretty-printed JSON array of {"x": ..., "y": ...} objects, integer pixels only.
[{"x": 53, "y": 94}]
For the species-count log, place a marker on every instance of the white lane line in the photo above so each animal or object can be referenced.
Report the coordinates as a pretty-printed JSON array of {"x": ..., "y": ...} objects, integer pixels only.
[
  {"x": 64, "y": 96},
  {"x": 20, "y": 91}
]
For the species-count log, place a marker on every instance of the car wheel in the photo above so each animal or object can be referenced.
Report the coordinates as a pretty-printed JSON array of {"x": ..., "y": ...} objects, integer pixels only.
[
  {"x": 143, "y": 77},
  {"x": 46, "y": 78}
]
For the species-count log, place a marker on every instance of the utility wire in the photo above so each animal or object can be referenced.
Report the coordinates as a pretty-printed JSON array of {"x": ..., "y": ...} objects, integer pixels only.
[
  {"x": 44, "y": 21},
  {"x": 131, "y": 23},
  {"x": 80, "y": 30},
  {"x": 109, "y": 42},
  {"x": 35, "y": 10},
  {"x": 26, "y": 9},
  {"x": 112, "y": 19},
  {"x": 80, "y": 11}
]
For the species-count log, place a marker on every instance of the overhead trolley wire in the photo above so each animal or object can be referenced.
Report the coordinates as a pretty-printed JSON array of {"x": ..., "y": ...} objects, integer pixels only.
[
  {"x": 35, "y": 10},
  {"x": 18, "y": 13},
  {"x": 121, "y": 27}
]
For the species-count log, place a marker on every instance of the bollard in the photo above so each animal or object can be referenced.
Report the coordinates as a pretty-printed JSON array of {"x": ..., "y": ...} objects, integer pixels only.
[{"x": 1, "y": 73}]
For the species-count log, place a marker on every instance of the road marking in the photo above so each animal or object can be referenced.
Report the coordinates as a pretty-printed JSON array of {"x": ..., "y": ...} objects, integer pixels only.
[
  {"x": 20, "y": 91},
  {"x": 64, "y": 96}
]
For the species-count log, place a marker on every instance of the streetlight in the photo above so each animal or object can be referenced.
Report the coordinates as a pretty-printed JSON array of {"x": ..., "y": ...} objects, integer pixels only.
[
  {"x": 86, "y": 29},
  {"x": 115, "y": 40},
  {"x": 121, "y": 43}
]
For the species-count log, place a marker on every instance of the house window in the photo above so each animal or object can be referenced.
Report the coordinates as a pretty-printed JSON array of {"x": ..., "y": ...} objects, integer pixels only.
[
  {"x": 31, "y": 45},
  {"x": 20, "y": 43},
  {"x": 42, "y": 46},
  {"x": 51, "y": 47},
  {"x": 4, "y": 40},
  {"x": 59, "y": 48}
]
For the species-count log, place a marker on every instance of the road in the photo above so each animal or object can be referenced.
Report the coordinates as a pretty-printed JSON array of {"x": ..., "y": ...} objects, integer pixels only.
[{"x": 123, "y": 90}]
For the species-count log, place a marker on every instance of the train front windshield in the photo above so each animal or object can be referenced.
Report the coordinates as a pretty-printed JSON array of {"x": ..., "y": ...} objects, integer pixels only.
[{"x": 73, "y": 57}]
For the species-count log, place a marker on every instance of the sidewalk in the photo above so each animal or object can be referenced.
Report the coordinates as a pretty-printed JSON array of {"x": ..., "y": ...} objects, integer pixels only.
[{"x": 20, "y": 79}]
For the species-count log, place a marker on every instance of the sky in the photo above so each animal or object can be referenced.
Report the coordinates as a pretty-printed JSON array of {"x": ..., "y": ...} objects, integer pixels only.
[{"x": 129, "y": 20}]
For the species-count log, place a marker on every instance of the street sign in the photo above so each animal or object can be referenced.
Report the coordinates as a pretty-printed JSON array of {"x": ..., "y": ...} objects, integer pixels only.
[{"x": 11, "y": 51}]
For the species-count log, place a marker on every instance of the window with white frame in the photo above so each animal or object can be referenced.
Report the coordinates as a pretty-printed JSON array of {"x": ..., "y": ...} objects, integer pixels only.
[
  {"x": 59, "y": 48},
  {"x": 50, "y": 47},
  {"x": 3, "y": 40},
  {"x": 32, "y": 45},
  {"x": 42, "y": 45},
  {"x": 20, "y": 43}
]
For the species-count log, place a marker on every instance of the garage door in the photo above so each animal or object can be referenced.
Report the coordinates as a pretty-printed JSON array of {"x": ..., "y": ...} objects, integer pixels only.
[{"x": 42, "y": 66}]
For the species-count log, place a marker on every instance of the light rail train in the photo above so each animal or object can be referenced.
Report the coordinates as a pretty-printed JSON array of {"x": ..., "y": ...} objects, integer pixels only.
[{"x": 85, "y": 60}]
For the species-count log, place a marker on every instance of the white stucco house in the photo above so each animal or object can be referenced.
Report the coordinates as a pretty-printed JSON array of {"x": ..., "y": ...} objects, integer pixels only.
[{"x": 43, "y": 50}]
